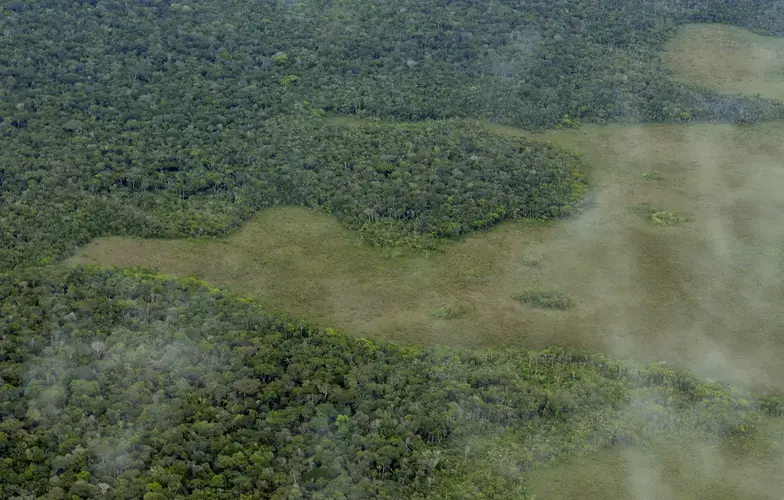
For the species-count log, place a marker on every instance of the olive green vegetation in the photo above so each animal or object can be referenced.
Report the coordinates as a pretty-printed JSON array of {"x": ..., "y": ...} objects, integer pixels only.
[
  {"x": 451, "y": 310},
  {"x": 727, "y": 59},
  {"x": 126, "y": 384},
  {"x": 653, "y": 176},
  {"x": 545, "y": 299},
  {"x": 703, "y": 294},
  {"x": 686, "y": 469},
  {"x": 658, "y": 216},
  {"x": 160, "y": 119},
  {"x": 168, "y": 120}
]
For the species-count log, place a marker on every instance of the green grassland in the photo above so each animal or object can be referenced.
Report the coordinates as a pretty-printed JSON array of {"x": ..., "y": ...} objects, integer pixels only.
[
  {"x": 715, "y": 277},
  {"x": 727, "y": 59},
  {"x": 686, "y": 470}
]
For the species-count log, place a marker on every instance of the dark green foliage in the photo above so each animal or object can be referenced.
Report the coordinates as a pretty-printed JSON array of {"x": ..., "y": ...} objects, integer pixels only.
[
  {"x": 545, "y": 299},
  {"x": 154, "y": 118},
  {"x": 136, "y": 384},
  {"x": 402, "y": 185},
  {"x": 653, "y": 176},
  {"x": 533, "y": 63},
  {"x": 532, "y": 262},
  {"x": 427, "y": 180},
  {"x": 183, "y": 119}
]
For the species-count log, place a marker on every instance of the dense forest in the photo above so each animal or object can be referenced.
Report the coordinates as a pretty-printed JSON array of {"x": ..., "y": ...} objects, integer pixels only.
[
  {"x": 113, "y": 113},
  {"x": 123, "y": 384},
  {"x": 396, "y": 184},
  {"x": 155, "y": 118}
]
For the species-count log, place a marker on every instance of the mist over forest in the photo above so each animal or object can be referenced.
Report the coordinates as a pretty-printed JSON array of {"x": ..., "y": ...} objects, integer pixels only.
[{"x": 366, "y": 249}]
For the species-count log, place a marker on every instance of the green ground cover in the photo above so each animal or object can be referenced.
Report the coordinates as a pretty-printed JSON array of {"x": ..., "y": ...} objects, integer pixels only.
[{"x": 727, "y": 59}]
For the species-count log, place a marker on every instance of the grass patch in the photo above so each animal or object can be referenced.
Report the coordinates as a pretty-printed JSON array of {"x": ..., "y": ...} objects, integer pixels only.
[
  {"x": 452, "y": 310},
  {"x": 621, "y": 270},
  {"x": 532, "y": 262},
  {"x": 727, "y": 59},
  {"x": 665, "y": 218},
  {"x": 658, "y": 216},
  {"x": 683, "y": 469},
  {"x": 545, "y": 299},
  {"x": 653, "y": 176}
]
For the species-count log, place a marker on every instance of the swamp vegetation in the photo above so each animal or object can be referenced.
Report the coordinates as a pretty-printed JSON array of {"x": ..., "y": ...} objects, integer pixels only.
[{"x": 366, "y": 149}]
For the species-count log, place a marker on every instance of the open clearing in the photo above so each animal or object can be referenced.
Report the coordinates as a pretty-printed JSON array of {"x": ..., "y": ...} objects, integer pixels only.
[
  {"x": 684, "y": 470},
  {"x": 681, "y": 257},
  {"x": 727, "y": 59},
  {"x": 704, "y": 294}
]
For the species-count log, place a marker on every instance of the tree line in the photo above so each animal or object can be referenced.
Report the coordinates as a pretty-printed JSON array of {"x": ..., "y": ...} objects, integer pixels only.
[{"x": 126, "y": 384}]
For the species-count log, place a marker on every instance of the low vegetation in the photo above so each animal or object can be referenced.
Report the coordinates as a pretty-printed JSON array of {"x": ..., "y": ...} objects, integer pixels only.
[
  {"x": 685, "y": 469},
  {"x": 727, "y": 59},
  {"x": 532, "y": 262},
  {"x": 653, "y": 176},
  {"x": 658, "y": 216},
  {"x": 545, "y": 299},
  {"x": 451, "y": 310},
  {"x": 665, "y": 218},
  {"x": 125, "y": 384}
]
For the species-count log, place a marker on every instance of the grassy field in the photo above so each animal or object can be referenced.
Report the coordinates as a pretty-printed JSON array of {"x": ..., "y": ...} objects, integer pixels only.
[
  {"x": 727, "y": 59},
  {"x": 683, "y": 470},
  {"x": 703, "y": 294}
]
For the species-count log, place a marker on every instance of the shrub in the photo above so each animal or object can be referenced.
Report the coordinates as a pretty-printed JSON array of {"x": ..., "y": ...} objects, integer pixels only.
[
  {"x": 532, "y": 261},
  {"x": 665, "y": 218},
  {"x": 545, "y": 299},
  {"x": 450, "y": 311},
  {"x": 653, "y": 176},
  {"x": 658, "y": 216}
]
